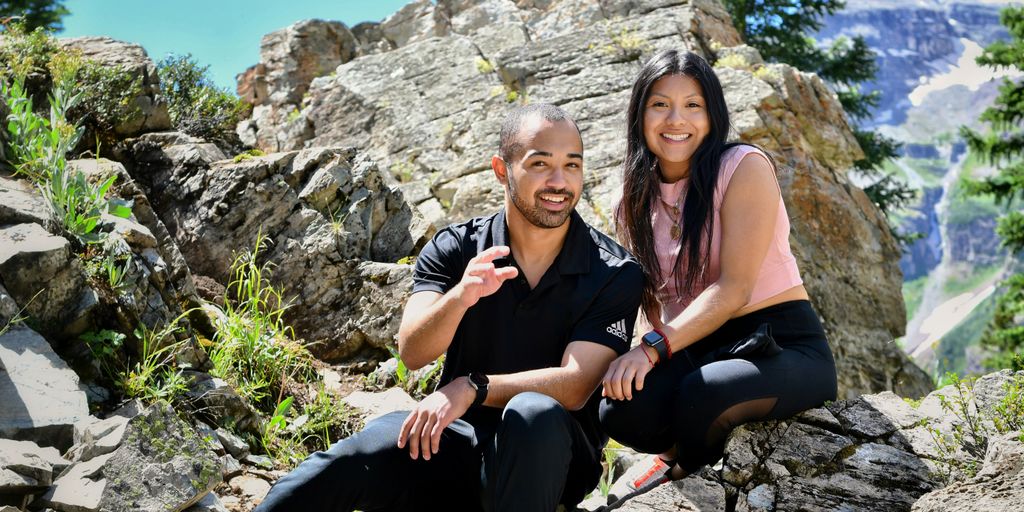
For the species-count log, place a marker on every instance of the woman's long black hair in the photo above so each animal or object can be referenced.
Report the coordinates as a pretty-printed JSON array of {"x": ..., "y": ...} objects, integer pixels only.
[{"x": 641, "y": 176}]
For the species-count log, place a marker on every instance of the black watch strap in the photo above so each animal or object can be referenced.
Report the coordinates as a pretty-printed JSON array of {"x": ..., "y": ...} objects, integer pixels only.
[
  {"x": 657, "y": 341},
  {"x": 480, "y": 383}
]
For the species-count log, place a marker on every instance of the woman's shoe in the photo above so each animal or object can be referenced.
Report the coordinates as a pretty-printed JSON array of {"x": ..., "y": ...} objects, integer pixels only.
[{"x": 638, "y": 479}]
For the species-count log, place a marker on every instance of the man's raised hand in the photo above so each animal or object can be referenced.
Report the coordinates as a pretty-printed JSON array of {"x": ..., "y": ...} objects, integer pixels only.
[{"x": 482, "y": 278}]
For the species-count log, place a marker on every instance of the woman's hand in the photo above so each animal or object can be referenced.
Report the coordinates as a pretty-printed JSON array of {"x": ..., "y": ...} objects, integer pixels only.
[{"x": 628, "y": 369}]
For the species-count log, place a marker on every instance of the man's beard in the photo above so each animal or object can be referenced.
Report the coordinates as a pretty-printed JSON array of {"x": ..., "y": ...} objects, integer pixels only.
[{"x": 536, "y": 215}]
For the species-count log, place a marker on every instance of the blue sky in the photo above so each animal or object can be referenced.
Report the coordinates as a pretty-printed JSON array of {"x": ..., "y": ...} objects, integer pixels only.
[{"x": 223, "y": 34}]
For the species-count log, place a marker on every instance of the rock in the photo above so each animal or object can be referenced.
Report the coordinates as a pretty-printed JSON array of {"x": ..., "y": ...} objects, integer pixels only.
[
  {"x": 42, "y": 396},
  {"x": 232, "y": 443},
  {"x": 212, "y": 397},
  {"x": 324, "y": 210},
  {"x": 38, "y": 271},
  {"x": 260, "y": 461},
  {"x": 229, "y": 466},
  {"x": 998, "y": 486},
  {"x": 151, "y": 113},
  {"x": 209, "y": 435},
  {"x": 160, "y": 465},
  {"x": 98, "y": 437},
  {"x": 415, "y": 21},
  {"x": 25, "y": 467},
  {"x": 209, "y": 503},
  {"x": 294, "y": 56},
  {"x": 253, "y": 489},
  {"x": 375, "y": 405},
  {"x": 19, "y": 203}
]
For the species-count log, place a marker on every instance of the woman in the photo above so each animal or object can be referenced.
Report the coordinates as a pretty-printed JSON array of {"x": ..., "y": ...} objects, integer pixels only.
[{"x": 734, "y": 337}]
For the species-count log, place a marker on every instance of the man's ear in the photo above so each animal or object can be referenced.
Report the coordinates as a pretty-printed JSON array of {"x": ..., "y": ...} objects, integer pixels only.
[{"x": 500, "y": 170}]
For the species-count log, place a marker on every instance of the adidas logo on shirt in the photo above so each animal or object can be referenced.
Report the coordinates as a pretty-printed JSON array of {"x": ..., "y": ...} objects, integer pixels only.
[{"x": 618, "y": 329}]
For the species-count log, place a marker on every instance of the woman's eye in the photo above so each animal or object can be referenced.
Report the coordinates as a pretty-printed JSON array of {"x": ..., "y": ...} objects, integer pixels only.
[
  {"x": 539, "y": 164},
  {"x": 694, "y": 105}
]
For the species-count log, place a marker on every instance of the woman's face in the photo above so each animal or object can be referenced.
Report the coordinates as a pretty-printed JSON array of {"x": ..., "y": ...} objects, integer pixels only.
[{"x": 675, "y": 123}]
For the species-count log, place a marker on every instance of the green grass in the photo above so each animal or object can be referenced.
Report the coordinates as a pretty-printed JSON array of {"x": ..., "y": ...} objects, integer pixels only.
[
  {"x": 253, "y": 348},
  {"x": 913, "y": 292},
  {"x": 973, "y": 279}
]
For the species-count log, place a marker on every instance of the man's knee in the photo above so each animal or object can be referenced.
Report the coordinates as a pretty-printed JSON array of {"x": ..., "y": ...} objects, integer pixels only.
[{"x": 535, "y": 414}]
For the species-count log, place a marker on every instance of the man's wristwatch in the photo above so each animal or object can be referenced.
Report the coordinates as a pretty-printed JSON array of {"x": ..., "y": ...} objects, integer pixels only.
[
  {"x": 657, "y": 340},
  {"x": 480, "y": 383}
]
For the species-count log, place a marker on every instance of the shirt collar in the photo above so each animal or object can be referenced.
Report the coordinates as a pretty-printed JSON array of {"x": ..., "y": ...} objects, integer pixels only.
[{"x": 573, "y": 258}]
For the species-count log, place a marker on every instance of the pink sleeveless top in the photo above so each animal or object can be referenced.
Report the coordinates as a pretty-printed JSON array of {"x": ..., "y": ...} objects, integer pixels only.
[{"x": 778, "y": 271}]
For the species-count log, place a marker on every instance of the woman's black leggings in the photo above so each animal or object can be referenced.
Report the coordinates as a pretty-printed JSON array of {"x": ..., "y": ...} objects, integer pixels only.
[{"x": 769, "y": 364}]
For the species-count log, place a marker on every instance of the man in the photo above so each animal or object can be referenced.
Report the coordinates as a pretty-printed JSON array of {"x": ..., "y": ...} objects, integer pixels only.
[{"x": 530, "y": 305}]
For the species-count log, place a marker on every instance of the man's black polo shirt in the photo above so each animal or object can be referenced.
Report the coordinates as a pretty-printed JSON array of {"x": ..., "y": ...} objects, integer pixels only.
[{"x": 591, "y": 292}]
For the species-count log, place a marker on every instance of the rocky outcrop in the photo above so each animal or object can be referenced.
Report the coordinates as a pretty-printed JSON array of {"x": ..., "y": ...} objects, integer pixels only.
[
  {"x": 876, "y": 452},
  {"x": 334, "y": 224},
  {"x": 428, "y": 112},
  {"x": 148, "y": 109}
]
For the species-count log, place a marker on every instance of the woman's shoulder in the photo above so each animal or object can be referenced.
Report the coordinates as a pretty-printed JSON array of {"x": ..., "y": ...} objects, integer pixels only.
[
  {"x": 730, "y": 161},
  {"x": 732, "y": 156}
]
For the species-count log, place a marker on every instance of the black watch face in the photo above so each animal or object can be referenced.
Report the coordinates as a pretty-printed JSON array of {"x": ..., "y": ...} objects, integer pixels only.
[{"x": 652, "y": 338}]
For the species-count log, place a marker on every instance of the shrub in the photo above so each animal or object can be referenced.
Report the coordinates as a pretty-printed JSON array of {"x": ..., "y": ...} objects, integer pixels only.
[{"x": 195, "y": 104}]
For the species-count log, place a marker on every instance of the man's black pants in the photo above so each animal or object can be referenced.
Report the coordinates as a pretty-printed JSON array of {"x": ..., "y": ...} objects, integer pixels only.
[{"x": 535, "y": 457}]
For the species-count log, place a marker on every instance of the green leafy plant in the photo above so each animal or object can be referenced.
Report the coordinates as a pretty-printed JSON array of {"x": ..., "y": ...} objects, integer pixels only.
[
  {"x": 484, "y": 66},
  {"x": 39, "y": 147}
]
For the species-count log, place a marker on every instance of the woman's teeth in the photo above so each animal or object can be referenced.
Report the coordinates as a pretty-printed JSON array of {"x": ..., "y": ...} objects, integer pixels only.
[{"x": 675, "y": 137}]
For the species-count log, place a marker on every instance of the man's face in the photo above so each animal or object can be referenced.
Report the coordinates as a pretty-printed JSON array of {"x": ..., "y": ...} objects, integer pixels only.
[{"x": 546, "y": 178}]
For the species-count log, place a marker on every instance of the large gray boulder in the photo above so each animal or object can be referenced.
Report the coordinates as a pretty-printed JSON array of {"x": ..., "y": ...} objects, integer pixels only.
[
  {"x": 428, "y": 111},
  {"x": 43, "y": 277},
  {"x": 160, "y": 464},
  {"x": 26, "y": 468},
  {"x": 150, "y": 109},
  {"x": 335, "y": 223},
  {"x": 41, "y": 396}
]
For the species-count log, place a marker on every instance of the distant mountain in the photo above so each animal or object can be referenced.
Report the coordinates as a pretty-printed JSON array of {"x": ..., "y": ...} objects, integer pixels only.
[{"x": 917, "y": 42}]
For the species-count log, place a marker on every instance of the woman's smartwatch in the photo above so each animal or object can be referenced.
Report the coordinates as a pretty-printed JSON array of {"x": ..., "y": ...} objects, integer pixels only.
[
  {"x": 657, "y": 340},
  {"x": 480, "y": 383}
]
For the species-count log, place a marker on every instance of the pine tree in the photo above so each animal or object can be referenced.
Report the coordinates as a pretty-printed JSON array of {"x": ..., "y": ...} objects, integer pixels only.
[
  {"x": 35, "y": 13},
  {"x": 1003, "y": 147},
  {"x": 780, "y": 30}
]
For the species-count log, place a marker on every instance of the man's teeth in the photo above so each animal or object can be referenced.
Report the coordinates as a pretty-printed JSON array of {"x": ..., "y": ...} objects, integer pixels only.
[
  {"x": 553, "y": 199},
  {"x": 679, "y": 137}
]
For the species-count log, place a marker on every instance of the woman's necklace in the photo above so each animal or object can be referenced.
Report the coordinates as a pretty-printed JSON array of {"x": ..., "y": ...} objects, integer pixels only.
[{"x": 677, "y": 218}]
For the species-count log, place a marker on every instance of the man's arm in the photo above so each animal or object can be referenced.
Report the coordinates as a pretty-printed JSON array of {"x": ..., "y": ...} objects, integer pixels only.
[{"x": 431, "y": 318}]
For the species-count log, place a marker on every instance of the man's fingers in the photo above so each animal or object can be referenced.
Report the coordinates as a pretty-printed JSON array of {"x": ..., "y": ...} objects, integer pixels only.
[
  {"x": 491, "y": 254},
  {"x": 425, "y": 433},
  {"x": 414, "y": 436},
  {"x": 403, "y": 434},
  {"x": 505, "y": 273}
]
